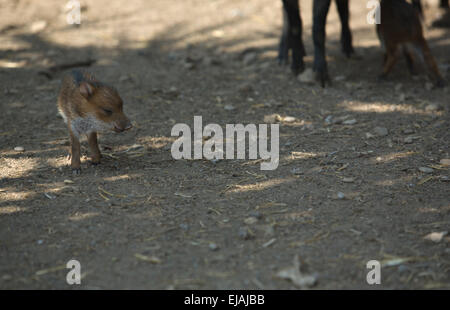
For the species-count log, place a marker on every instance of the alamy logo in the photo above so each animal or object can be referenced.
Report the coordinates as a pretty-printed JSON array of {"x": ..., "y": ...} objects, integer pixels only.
[
  {"x": 74, "y": 275},
  {"x": 209, "y": 142},
  {"x": 374, "y": 16},
  {"x": 374, "y": 275}
]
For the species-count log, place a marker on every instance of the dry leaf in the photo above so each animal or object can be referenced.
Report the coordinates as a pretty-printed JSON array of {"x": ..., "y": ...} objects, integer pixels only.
[{"x": 293, "y": 273}]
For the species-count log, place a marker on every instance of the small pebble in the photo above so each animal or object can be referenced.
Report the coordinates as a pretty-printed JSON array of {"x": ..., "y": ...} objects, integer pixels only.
[
  {"x": 297, "y": 171},
  {"x": 228, "y": 107},
  {"x": 433, "y": 107},
  {"x": 409, "y": 140},
  {"x": 244, "y": 233},
  {"x": 256, "y": 214},
  {"x": 213, "y": 246},
  {"x": 250, "y": 220},
  {"x": 19, "y": 149},
  {"x": 380, "y": 131},
  {"x": 349, "y": 122},
  {"x": 426, "y": 170}
]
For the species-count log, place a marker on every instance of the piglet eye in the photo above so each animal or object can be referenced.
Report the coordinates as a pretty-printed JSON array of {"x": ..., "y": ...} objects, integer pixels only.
[{"x": 107, "y": 111}]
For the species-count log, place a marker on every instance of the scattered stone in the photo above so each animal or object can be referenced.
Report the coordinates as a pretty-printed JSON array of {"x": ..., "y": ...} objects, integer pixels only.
[
  {"x": 228, "y": 107},
  {"x": 398, "y": 87},
  {"x": 297, "y": 171},
  {"x": 436, "y": 236},
  {"x": 19, "y": 149},
  {"x": 402, "y": 97},
  {"x": 433, "y": 107},
  {"x": 444, "y": 178},
  {"x": 428, "y": 86},
  {"x": 408, "y": 131},
  {"x": 339, "y": 120},
  {"x": 329, "y": 119},
  {"x": 426, "y": 170},
  {"x": 349, "y": 122},
  {"x": 68, "y": 182},
  {"x": 213, "y": 246},
  {"x": 408, "y": 140},
  {"x": 244, "y": 233},
  {"x": 184, "y": 226},
  {"x": 348, "y": 180},
  {"x": 306, "y": 76},
  {"x": 256, "y": 214},
  {"x": 369, "y": 135},
  {"x": 339, "y": 78},
  {"x": 380, "y": 131},
  {"x": 189, "y": 65},
  {"x": 340, "y": 195},
  {"x": 250, "y": 220}
]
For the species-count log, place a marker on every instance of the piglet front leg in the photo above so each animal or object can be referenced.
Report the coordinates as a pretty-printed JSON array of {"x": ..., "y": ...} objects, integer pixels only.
[{"x": 93, "y": 147}]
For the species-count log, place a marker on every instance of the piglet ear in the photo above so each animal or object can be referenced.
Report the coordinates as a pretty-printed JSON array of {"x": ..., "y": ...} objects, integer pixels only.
[{"x": 86, "y": 89}]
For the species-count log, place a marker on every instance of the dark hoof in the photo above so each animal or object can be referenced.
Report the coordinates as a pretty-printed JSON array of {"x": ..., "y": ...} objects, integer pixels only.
[
  {"x": 323, "y": 78},
  {"x": 282, "y": 61},
  {"x": 76, "y": 171},
  {"x": 95, "y": 163},
  {"x": 297, "y": 69},
  {"x": 348, "y": 51}
]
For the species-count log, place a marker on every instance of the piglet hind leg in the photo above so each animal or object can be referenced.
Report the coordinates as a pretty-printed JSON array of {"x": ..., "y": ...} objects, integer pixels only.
[
  {"x": 75, "y": 162},
  {"x": 93, "y": 148},
  {"x": 431, "y": 64}
]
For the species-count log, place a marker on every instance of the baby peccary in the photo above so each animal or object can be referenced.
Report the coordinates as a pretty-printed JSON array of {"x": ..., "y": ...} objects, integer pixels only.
[
  {"x": 89, "y": 106},
  {"x": 400, "y": 27}
]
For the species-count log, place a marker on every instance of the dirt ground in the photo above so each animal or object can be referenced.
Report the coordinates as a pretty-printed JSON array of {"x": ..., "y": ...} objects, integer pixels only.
[{"x": 354, "y": 182}]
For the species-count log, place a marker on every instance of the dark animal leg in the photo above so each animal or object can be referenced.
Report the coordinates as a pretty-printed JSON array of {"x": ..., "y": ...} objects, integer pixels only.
[
  {"x": 292, "y": 36},
  {"x": 320, "y": 11},
  {"x": 346, "y": 35}
]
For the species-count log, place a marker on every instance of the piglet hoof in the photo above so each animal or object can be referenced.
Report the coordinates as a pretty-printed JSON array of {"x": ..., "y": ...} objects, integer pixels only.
[
  {"x": 441, "y": 83},
  {"x": 76, "y": 171},
  {"x": 381, "y": 78},
  {"x": 95, "y": 163}
]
